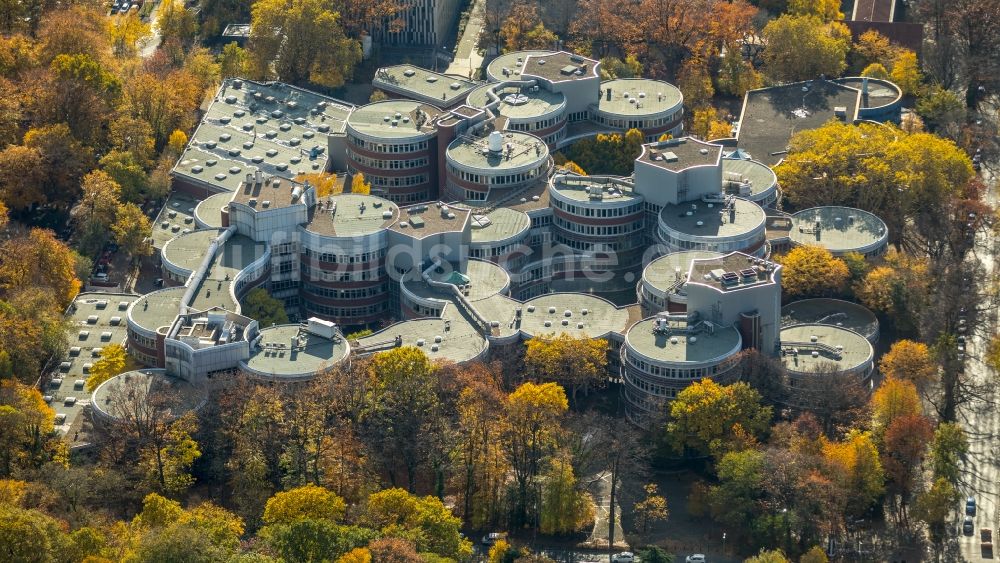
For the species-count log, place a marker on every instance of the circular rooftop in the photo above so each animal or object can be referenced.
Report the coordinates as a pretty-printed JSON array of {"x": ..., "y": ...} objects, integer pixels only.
[
  {"x": 291, "y": 353},
  {"x": 513, "y": 62},
  {"x": 157, "y": 309},
  {"x": 680, "y": 348},
  {"x": 841, "y": 230},
  {"x": 499, "y": 225},
  {"x": 393, "y": 119},
  {"x": 519, "y": 152},
  {"x": 581, "y": 190},
  {"x": 519, "y": 104},
  {"x": 184, "y": 253},
  {"x": 660, "y": 275},
  {"x": 598, "y": 316},
  {"x": 639, "y": 97},
  {"x": 173, "y": 396},
  {"x": 460, "y": 341},
  {"x": 352, "y": 215},
  {"x": 763, "y": 181},
  {"x": 881, "y": 93},
  {"x": 208, "y": 213},
  {"x": 821, "y": 346},
  {"x": 482, "y": 279},
  {"x": 835, "y": 312},
  {"x": 703, "y": 220}
]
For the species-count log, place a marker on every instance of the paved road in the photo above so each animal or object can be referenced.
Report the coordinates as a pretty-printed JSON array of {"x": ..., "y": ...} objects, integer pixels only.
[
  {"x": 980, "y": 417},
  {"x": 149, "y": 47},
  {"x": 467, "y": 57},
  {"x": 601, "y": 489}
]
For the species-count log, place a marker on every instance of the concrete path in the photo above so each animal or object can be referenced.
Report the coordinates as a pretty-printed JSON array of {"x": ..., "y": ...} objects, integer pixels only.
[
  {"x": 467, "y": 58},
  {"x": 600, "y": 488}
]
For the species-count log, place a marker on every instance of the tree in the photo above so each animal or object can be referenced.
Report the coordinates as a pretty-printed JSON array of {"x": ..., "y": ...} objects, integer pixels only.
[
  {"x": 168, "y": 468},
  {"x": 22, "y": 170},
  {"x": 706, "y": 416},
  {"x": 905, "y": 443},
  {"x": 655, "y": 554},
  {"x": 948, "y": 451},
  {"x": 769, "y": 556},
  {"x": 177, "y": 142},
  {"x": 531, "y": 424},
  {"x": 304, "y": 503},
  {"x": 425, "y": 520},
  {"x": 911, "y": 361},
  {"x": 695, "y": 82},
  {"x": 737, "y": 76},
  {"x": 395, "y": 550},
  {"x": 934, "y": 506},
  {"x": 96, "y": 210},
  {"x": 30, "y": 535},
  {"x": 127, "y": 31},
  {"x": 564, "y": 508},
  {"x": 233, "y": 61},
  {"x": 128, "y": 172},
  {"x": 940, "y": 108},
  {"x": 132, "y": 135},
  {"x": 38, "y": 261},
  {"x": 707, "y": 125},
  {"x": 574, "y": 168},
  {"x": 356, "y": 555},
  {"x": 875, "y": 70},
  {"x": 814, "y": 555},
  {"x": 906, "y": 74},
  {"x": 75, "y": 29},
  {"x": 263, "y": 308},
  {"x": 811, "y": 271},
  {"x": 359, "y": 185},
  {"x": 65, "y": 161},
  {"x": 872, "y": 48},
  {"x": 895, "y": 398},
  {"x": 131, "y": 230},
  {"x": 26, "y": 425},
  {"x": 112, "y": 362},
  {"x": 804, "y": 47},
  {"x": 576, "y": 363},
  {"x": 651, "y": 509},
  {"x": 857, "y": 470},
  {"x": 176, "y": 22},
  {"x": 314, "y": 540},
  {"x": 310, "y": 47},
  {"x": 826, "y": 10},
  {"x": 481, "y": 466}
]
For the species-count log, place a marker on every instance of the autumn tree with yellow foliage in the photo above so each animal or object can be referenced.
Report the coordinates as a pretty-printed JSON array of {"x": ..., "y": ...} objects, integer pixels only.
[
  {"x": 812, "y": 271},
  {"x": 575, "y": 363},
  {"x": 910, "y": 361},
  {"x": 113, "y": 361},
  {"x": 706, "y": 416}
]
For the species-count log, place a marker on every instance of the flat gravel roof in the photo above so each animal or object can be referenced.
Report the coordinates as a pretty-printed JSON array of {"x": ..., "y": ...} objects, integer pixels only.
[
  {"x": 680, "y": 347},
  {"x": 377, "y": 119},
  {"x": 351, "y": 215},
  {"x": 660, "y": 273},
  {"x": 842, "y": 229},
  {"x": 651, "y": 97},
  {"x": 855, "y": 350},
  {"x": 498, "y": 225},
  {"x": 748, "y": 217},
  {"x": 277, "y": 357}
]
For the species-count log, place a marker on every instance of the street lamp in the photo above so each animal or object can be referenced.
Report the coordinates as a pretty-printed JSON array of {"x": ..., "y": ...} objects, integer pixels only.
[{"x": 723, "y": 543}]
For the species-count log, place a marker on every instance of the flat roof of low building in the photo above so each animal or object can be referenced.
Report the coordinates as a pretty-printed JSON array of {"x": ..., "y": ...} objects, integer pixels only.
[
  {"x": 380, "y": 119},
  {"x": 874, "y": 10},
  {"x": 210, "y": 209},
  {"x": 584, "y": 189},
  {"x": 519, "y": 150},
  {"x": 483, "y": 279},
  {"x": 174, "y": 396},
  {"x": 601, "y": 318},
  {"x": 513, "y": 62},
  {"x": 275, "y": 192},
  {"x": 157, "y": 309},
  {"x": 681, "y": 347},
  {"x": 428, "y": 219},
  {"x": 188, "y": 250},
  {"x": 637, "y": 97},
  {"x": 533, "y": 198},
  {"x": 94, "y": 321},
  {"x": 772, "y": 115},
  {"x": 834, "y": 312},
  {"x": 460, "y": 341},
  {"x": 880, "y": 92},
  {"x": 681, "y": 154},
  {"x": 854, "y": 350},
  {"x": 517, "y": 102},
  {"x": 272, "y": 127},
  {"x": 748, "y": 217},
  {"x": 351, "y": 215},
  {"x": 761, "y": 177},
  {"x": 670, "y": 271},
  {"x": 732, "y": 271},
  {"x": 175, "y": 217},
  {"x": 841, "y": 229},
  {"x": 498, "y": 225},
  {"x": 214, "y": 291},
  {"x": 559, "y": 67},
  {"x": 422, "y": 84},
  {"x": 277, "y": 357}
]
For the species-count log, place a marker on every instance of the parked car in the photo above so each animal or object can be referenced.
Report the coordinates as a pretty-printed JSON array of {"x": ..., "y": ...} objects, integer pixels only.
[
  {"x": 493, "y": 537},
  {"x": 970, "y": 506},
  {"x": 696, "y": 558},
  {"x": 967, "y": 526},
  {"x": 623, "y": 557}
]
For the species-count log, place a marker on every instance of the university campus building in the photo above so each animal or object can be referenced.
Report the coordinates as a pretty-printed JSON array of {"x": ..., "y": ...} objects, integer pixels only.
[{"x": 472, "y": 239}]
